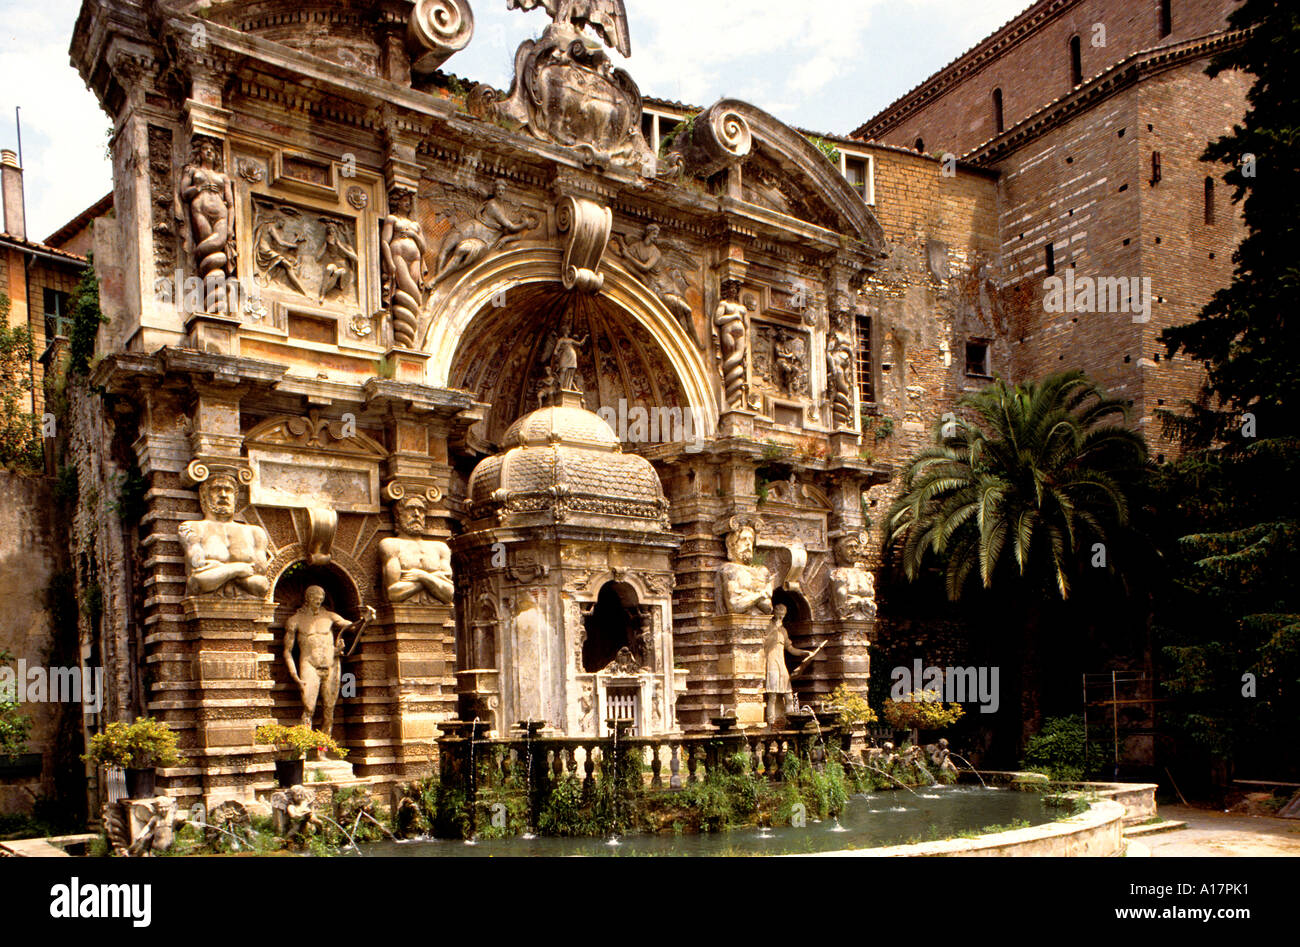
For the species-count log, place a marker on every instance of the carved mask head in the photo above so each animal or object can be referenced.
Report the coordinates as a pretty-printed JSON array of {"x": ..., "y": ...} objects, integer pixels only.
[
  {"x": 849, "y": 550},
  {"x": 314, "y": 597},
  {"x": 217, "y": 496},
  {"x": 410, "y": 515},
  {"x": 740, "y": 545}
]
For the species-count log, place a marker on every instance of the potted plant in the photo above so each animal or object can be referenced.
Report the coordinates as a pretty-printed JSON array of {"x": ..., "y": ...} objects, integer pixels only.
[
  {"x": 920, "y": 710},
  {"x": 854, "y": 712},
  {"x": 139, "y": 748},
  {"x": 292, "y": 744}
]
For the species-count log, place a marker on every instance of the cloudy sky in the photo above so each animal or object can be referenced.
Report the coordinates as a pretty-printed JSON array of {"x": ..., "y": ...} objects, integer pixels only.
[{"x": 822, "y": 64}]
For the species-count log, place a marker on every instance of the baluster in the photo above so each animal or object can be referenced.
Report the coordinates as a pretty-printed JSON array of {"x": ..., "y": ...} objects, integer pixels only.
[
  {"x": 692, "y": 761},
  {"x": 557, "y": 764},
  {"x": 675, "y": 766},
  {"x": 589, "y": 767},
  {"x": 655, "y": 766},
  {"x": 782, "y": 749},
  {"x": 571, "y": 759},
  {"x": 769, "y": 759}
]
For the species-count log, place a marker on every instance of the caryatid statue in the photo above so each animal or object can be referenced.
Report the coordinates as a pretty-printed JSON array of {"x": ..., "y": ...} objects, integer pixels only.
[
  {"x": 731, "y": 323},
  {"x": 746, "y": 589},
  {"x": 205, "y": 205},
  {"x": 413, "y": 564},
  {"x": 401, "y": 249},
  {"x": 318, "y": 634},
  {"x": 778, "y": 689},
  {"x": 853, "y": 586},
  {"x": 839, "y": 370},
  {"x": 221, "y": 554}
]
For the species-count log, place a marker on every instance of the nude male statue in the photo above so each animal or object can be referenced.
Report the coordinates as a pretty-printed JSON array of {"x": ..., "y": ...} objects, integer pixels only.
[
  {"x": 413, "y": 564},
  {"x": 320, "y": 652},
  {"x": 745, "y": 588},
  {"x": 219, "y": 551}
]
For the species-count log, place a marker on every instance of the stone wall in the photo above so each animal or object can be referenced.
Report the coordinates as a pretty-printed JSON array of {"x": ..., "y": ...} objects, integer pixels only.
[{"x": 29, "y": 559}]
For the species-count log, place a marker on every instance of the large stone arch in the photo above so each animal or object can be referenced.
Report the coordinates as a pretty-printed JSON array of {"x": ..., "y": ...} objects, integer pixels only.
[{"x": 451, "y": 316}]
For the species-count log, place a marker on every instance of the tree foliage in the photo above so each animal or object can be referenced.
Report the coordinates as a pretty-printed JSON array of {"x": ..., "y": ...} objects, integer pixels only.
[
  {"x": 1022, "y": 485},
  {"x": 20, "y": 440}
]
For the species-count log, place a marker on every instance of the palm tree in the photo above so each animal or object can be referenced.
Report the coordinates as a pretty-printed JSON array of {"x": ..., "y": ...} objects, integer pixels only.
[
  {"x": 1019, "y": 489},
  {"x": 1029, "y": 483}
]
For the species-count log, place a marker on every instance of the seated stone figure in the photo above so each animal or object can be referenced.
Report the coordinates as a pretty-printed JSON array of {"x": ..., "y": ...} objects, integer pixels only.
[
  {"x": 220, "y": 554},
  {"x": 853, "y": 587},
  {"x": 746, "y": 589},
  {"x": 413, "y": 565}
]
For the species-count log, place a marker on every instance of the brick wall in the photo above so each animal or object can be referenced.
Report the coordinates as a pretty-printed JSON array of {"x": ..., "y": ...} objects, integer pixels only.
[{"x": 1036, "y": 70}]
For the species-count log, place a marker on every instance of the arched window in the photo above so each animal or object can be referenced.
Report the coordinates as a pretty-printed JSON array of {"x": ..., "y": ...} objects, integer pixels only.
[
  {"x": 1209, "y": 200},
  {"x": 920, "y": 145},
  {"x": 997, "y": 111},
  {"x": 1166, "y": 17},
  {"x": 1076, "y": 62}
]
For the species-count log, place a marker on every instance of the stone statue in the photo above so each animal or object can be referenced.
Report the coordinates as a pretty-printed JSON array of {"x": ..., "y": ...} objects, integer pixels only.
[
  {"x": 645, "y": 257},
  {"x": 746, "y": 589},
  {"x": 564, "y": 359},
  {"x": 414, "y": 566},
  {"x": 312, "y": 629},
  {"x": 731, "y": 323},
  {"x": 790, "y": 372},
  {"x": 139, "y": 827},
  {"x": 607, "y": 18},
  {"x": 941, "y": 757},
  {"x": 624, "y": 662},
  {"x": 853, "y": 586},
  {"x": 493, "y": 225},
  {"x": 839, "y": 370},
  {"x": 293, "y": 812},
  {"x": 339, "y": 261},
  {"x": 205, "y": 206},
  {"x": 220, "y": 553},
  {"x": 402, "y": 249},
  {"x": 777, "y": 687}
]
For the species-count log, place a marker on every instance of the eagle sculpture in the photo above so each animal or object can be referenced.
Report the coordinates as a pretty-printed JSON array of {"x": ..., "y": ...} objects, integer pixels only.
[{"x": 608, "y": 18}]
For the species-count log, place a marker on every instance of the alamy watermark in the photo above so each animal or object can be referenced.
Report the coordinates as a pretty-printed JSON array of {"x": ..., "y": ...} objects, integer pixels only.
[
  {"x": 639, "y": 425},
  {"x": 955, "y": 685},
  {"x": 36, "y": 684},
  {"x": 1072, "y": 293}
]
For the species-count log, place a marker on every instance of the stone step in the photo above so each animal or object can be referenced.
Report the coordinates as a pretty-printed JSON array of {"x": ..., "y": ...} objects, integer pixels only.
[{"x": 1169, "y": 825}]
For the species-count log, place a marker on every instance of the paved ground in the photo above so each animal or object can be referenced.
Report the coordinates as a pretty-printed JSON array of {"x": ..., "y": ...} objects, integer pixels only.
[{"x": 1211, "y": 833}]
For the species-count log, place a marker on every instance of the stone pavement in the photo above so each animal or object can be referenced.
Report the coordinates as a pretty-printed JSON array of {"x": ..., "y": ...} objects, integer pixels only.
[{"x": 1211, "y": 833}]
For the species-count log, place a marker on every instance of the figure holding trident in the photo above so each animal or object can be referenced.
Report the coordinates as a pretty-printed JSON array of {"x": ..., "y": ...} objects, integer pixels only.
[
  {"x": 776, "y": 645},
  {"x": 318, "y": 670}
]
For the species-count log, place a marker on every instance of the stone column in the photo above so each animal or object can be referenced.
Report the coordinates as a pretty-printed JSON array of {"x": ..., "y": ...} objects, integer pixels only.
[
  {"x": 230, "y": 683},
  {"x": 738, "y": 667}
]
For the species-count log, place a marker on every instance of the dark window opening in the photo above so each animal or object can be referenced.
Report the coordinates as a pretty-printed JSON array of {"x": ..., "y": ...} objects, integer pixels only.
[
  {"x": 977, "y": 358},
  {"x": 1209, "y": 202},
  {"x": 1050, "y": 250},
  {"x": 57, "y": 319},
  {"x": 1155, "y": 167},
  {"x": 613, "y": 623},
  {"x": 648, "y": 128},
  {"x": 856, "y": 171},
  {"x": 1076, "y": 62},
  {"x": 997, "y": 111},
  {"x": 920, "y": 145},
  {"x": 1166, "y": 17},
  {"x": 866, "y": 390}
]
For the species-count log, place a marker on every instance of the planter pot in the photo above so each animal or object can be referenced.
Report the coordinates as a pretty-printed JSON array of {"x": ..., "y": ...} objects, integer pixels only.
[
  {"x": 22, "y": 766},
  {"x": 289, "y": 772},
  {"x": 141, "y": 783}
]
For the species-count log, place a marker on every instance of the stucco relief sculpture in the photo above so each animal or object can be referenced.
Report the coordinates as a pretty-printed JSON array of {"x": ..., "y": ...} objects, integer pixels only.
[
  {"x": 276, "y": 253},
  {"x": 746, "y": 589},
  {"x": 402, "y": 249},
  {"x": 647, "y": 261},
  {"x": 777, "y": 687},
  {"x": 732, "y": 324},
  {"x": 788, "y": 354},
  {"x": 493, "y": 225},
  {"x": 338, "y": 261},
  {"x": 567, "y": 92},
  {"x": 839, "y": 370},
  {"x": 318, "y": 634},
  {"x": 853, "y": 587},
  {"x": 222, "y": 556},
  {"x": 205, "y": 207},
  {"x": 416, "y": 569}
]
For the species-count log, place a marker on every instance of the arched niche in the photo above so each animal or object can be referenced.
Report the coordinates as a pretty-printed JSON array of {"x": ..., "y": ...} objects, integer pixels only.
[
  {"x": 451, "y": 321},
  {"x": 614, "y": 622}
]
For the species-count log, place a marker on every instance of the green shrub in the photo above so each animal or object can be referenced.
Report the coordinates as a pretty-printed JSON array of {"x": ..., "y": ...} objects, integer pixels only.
[
  {"x": 140, "y": 745},
  {"x": 1058, "y": 749}
]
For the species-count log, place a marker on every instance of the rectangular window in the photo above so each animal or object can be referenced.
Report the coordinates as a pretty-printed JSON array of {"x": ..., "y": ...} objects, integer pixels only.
[
  {"x": 1050, "y": 258},
  {"x": 1155, "y": 167},
  {"x": 866, "y": 390},
  {"x": 57, "y": 319},
  {"x": 977, "y": 358},
  {"x": 857, "y": 170},
  {"x": 1166, "y": 17},
  {"x": 1209, "y": 200}
]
